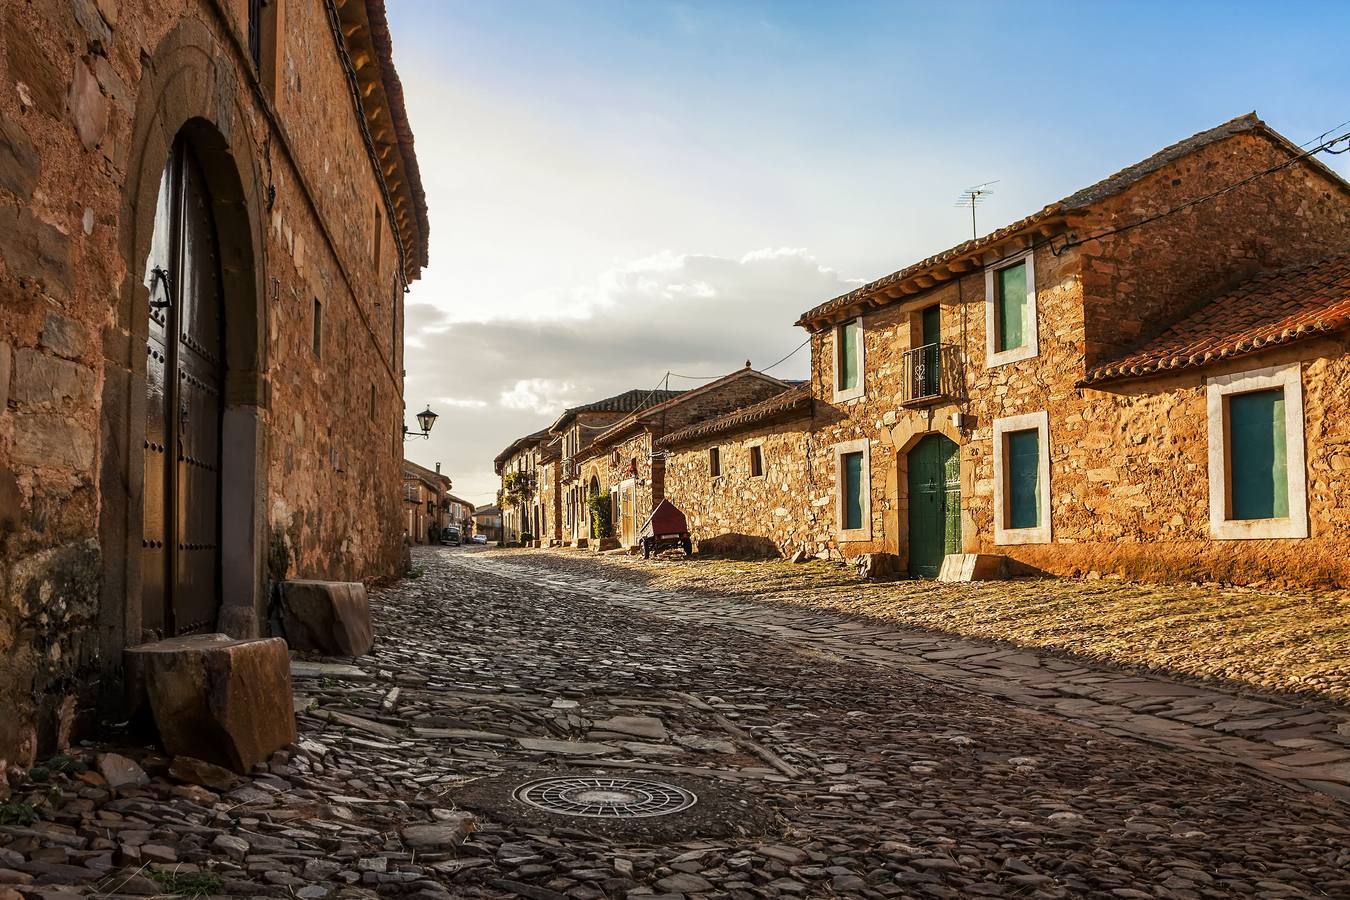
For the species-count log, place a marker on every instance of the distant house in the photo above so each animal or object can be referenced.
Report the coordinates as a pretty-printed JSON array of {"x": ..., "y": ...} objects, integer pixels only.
[
  {"x": 487, "y": 521},
  {"x": 425, "y": 510},
  {"x": 458, "y": 514},
  {"x": 624, "y": 462}
]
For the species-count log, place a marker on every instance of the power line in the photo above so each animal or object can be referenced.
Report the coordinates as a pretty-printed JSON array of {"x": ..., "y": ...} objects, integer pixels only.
[
  {"x": 1120, "y": 229},
  {"x": 789, "y": 356}
]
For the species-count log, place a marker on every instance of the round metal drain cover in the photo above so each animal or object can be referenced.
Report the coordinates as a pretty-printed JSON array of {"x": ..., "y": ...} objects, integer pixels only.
[{"x": 605, "y": 798}]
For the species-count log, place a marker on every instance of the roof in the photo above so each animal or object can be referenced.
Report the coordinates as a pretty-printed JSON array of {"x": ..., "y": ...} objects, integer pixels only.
[
  {"x": 793, "y": 400},
  {"x": 362, "y": 30},
  {"x": 968, "y": 254},
  {"x": 429, "y": 476},
  {"x": 517, "y": 445},
  {"x": 1269, "y": 310},
  {"x": 493, "y": 510},
  {"x": 628, "y": 401},
  {"x": 453, "y": 499},
  {"x": 639, "y": 419}
]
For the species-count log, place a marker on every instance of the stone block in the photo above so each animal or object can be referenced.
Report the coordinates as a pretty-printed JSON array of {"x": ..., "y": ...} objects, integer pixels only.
[
  {"x": 53, "y": 441},
  {"x": 88, "y": 106},
  {"x": 64, "y": 337},
  {"x": 19, "y": 161},
  {"x": 215, "y": 698},
  {"x": 877, "y": 566},
  {"x": 43, "y": 379},
  {"x": 962, "y": 567},
  {"x": 603, "y": 544},
  {"x": 330, "y": 617}
]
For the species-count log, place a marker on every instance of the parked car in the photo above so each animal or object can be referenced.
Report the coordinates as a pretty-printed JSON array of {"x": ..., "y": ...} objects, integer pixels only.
[
  {"x": 451, "y": 535},
  {"x": 479, "y": 539}
]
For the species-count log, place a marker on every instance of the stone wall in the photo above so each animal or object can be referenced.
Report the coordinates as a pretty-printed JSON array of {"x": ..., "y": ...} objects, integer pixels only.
[
  {"x": 94, "y": 93},
  {"x": 789, "y": 508}
]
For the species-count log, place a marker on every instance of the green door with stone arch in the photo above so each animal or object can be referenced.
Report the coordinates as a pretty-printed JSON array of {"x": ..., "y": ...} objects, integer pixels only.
[{"x": 934, "y": 465}]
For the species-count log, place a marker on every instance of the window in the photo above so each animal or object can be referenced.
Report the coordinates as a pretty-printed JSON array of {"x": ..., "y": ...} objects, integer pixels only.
[
  {"x": 379, "y": 236},
  {"x": 255, "y": 31},
  {"x": 853, "y": 504},
  {"x": 318, "y": 328},
  {"x": 1022, "y": 479},
  {"x": 851, "y": 468},
  {"x": 715, "y": 462},
  {"x": 1257, "y": 483},
  {"x": 756, "y": 461},
  {"x": 848, "y": 360},
  {"x": 1010, "y": 311}
]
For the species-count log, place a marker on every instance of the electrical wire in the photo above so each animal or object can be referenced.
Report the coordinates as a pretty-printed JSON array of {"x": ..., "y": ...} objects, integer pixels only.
[
  {"x": 786, "y": 358},
  {"x": 1120, "y": 229}
]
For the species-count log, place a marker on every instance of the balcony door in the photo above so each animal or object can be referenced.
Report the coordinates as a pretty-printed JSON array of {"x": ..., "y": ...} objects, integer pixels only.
[{"x": 184, "y": 393}]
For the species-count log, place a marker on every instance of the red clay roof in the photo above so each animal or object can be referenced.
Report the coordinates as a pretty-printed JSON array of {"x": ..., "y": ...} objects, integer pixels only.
[
  {"x": 1269, "y": 310},
  {"x": 797, "y": 399}
]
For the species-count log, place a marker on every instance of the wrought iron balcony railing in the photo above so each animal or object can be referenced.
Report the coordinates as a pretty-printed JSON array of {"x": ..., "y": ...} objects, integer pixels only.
[{"x": 932, "y": 374}]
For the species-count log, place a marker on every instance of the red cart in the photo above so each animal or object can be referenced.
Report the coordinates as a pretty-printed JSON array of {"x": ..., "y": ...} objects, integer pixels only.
[{"x": 664, "y": 529}]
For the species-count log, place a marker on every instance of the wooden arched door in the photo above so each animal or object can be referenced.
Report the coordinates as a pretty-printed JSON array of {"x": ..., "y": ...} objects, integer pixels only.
[{"x": 184, "y": 401}]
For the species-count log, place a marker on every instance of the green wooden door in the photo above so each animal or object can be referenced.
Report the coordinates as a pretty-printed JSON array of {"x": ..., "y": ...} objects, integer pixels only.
[{"x": 934, "y": 504}]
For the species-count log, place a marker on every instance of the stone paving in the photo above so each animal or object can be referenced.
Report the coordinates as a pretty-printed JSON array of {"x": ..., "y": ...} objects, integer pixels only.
[
  {"x": 821, "y": 770},
  {"x": 1296, "y": 738}
]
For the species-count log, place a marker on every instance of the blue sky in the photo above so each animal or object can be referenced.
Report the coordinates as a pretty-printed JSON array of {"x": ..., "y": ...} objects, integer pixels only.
[{"x": 598, "y": 172}]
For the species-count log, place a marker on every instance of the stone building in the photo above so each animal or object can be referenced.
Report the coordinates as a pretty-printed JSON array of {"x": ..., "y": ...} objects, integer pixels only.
[
  {"x": 1146, "y": 377},
  {"x": 209, "y": 212},
  {"x": 520, "y": 500},
  {"x": 581, "y": 475},
  {"x": 426, "y": 503},
  {"x": 487, "y": 521},
  {"x": 458, "y": 514},
  {"x": 624, "y": 462}
]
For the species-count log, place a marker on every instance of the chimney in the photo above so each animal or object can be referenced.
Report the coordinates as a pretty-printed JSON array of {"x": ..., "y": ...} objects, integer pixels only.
[{"x": 438, "y": 468}]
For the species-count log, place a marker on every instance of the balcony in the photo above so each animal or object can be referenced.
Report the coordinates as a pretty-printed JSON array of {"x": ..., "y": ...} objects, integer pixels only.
[
  {"x": 571, "y": 469},
  {"x": 933, "y": 374}
]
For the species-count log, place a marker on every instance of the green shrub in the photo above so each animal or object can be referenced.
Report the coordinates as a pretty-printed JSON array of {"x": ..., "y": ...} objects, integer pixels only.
[{"x": 601, "y": 525}]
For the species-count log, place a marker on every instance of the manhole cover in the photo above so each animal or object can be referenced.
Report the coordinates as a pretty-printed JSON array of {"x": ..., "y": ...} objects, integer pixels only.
[{"x": 605, "y": 798}]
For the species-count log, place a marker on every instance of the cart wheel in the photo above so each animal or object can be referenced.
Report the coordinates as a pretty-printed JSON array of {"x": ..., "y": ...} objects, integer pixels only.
[
  {"x": 688, "y": 546},
  {"x": 646, "y": 549}
]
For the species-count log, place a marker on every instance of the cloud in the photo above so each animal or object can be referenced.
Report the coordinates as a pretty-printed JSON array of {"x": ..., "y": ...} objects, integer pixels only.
[{"x": 696, "y": 316}]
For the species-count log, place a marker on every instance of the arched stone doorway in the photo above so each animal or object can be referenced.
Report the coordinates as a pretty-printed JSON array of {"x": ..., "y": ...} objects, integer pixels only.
[
  {"x": 933, "y": 472},
  {"x": 187, "y": 107}
]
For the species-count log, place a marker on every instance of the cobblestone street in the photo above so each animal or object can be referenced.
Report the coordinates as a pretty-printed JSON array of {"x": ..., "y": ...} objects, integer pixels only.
[{"x": 816, "y": 774}]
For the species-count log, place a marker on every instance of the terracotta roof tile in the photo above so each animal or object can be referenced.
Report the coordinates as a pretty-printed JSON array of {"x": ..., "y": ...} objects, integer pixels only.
[
  {"x": 791, "y": 400},
  {"x": 1269, "y": 310}
]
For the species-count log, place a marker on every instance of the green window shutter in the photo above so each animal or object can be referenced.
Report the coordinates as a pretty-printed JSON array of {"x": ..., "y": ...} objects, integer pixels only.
[
  {"x": 1023, "y": 462},
  {"x": 1258, "y": 467},
  {"x": 1011, "y": 308},
  {"x": 847, "y": 336},
  {"x": 853, "y": 505}
]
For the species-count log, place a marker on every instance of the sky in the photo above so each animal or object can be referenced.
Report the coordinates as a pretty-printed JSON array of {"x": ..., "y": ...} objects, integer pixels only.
[{"x": 622, "y": 190}]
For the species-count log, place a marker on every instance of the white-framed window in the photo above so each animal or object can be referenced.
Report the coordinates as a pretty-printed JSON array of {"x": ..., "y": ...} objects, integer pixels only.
[
  {"x": 1022, "y": 479},
  {"x": 848, "y": 360},
  {"x": 1257, "y": 471},
  {"x": 853, "y": 490},
  {"x": 1010, "y": 310}
]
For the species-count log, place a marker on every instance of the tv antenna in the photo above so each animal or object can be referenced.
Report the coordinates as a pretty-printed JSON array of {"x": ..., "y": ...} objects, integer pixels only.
[{"x": 973, "y": 197}]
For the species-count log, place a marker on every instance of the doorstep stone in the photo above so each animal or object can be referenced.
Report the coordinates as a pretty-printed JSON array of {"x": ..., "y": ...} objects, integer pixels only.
[
  {"x": 216, "y": 698},
  {"x": 961, "y": 567},
  {"x": 330, "y": 617}
]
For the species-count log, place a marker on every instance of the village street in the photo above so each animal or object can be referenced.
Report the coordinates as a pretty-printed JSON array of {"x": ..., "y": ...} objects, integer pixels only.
[{"x": 814, "y": 774}]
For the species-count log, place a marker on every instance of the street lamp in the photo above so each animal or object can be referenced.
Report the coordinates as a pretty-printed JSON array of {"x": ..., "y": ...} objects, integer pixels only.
[{"x": 425, "y": 419}]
